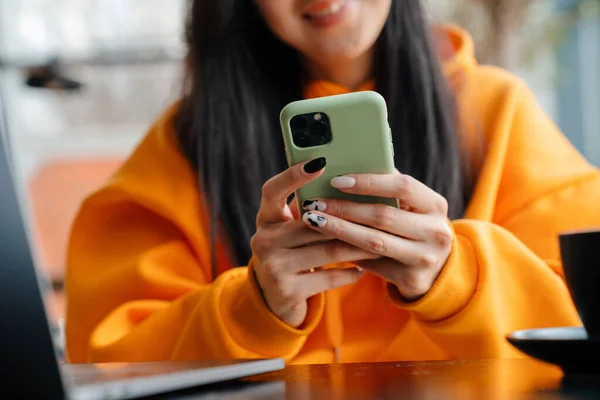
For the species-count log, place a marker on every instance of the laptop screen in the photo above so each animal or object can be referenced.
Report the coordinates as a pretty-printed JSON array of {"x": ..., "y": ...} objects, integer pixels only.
[{"x": 26, "y": 345}]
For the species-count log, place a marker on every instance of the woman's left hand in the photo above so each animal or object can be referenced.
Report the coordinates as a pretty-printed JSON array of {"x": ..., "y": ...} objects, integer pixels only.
[{"x": 415, "y": 240}]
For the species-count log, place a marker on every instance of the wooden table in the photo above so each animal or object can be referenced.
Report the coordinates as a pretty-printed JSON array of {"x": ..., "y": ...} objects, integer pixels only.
[{"x": 463, "y": 380}]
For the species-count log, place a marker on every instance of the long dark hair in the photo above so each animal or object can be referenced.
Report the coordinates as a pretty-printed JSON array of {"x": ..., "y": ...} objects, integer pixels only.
[{"x": 240, "y": 75}]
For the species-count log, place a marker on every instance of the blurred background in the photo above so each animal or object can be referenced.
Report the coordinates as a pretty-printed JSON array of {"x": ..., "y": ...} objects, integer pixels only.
[{"x": 120, "y": 61}]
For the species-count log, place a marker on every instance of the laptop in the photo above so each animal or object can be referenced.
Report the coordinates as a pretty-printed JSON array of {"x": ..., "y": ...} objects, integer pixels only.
[{"x": 27, "y": 353}]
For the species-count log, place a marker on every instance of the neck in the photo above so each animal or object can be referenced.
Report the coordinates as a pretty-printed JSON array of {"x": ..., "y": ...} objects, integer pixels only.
[{"x": 349, "y": 73}]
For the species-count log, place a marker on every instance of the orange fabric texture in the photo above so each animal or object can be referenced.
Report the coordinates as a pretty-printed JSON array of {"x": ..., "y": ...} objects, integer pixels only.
[{"x": 139, "y": 285}]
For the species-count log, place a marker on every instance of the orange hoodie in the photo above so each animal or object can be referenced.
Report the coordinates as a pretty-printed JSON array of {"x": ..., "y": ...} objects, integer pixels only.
[{"x": 139, "y": 285}]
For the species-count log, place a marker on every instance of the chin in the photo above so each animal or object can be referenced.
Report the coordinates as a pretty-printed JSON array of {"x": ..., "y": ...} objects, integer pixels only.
[
  {"x": 341, "y": 49},
  {"x": 340, "y": 56}
]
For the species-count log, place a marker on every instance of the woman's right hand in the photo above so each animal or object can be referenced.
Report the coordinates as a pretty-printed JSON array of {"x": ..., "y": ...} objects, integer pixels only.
[{"x": 285, "y": 250}]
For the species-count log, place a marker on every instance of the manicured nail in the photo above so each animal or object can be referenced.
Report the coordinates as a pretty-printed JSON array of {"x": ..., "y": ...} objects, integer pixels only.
[
  {"x": 314, "y": 220},
  {"x": 343, "y": 182},
  {"x": 314, "y": 205},
  {"x": 315, "y": 165}
]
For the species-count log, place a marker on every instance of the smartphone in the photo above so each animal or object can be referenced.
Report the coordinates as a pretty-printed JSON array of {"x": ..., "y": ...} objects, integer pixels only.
[{"x": 350, "y": 130}]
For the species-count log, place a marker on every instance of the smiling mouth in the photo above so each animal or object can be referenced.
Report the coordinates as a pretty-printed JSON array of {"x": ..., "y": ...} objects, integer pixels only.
[{"x": 327, "y": 9}]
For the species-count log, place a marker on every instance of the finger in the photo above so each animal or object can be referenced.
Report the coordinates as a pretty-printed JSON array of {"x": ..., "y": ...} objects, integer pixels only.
[
  {"x": 383, "y": 217},
  {"x": 405, "y": 251},
  {"x": 317, "y": 282},
  {"x": 405, "y": 188},
  {"x": 322, "y": 254},
  {"x": 276, "y": 190},
  {"x": 294, "y": 208},
  {"x": 294, "y": 234},
  {"x": 411, "y": 283},
  {"x": 287, "y": 235},
  {"x": 385, "y": 268}
]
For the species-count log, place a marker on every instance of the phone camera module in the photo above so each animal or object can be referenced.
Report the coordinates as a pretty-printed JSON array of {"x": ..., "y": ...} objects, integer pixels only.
[{"x": 310, "y": 130}]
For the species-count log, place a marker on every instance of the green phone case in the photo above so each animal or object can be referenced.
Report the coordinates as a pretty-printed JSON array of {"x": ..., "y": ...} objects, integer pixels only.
[{"x": 361, "y": 143}]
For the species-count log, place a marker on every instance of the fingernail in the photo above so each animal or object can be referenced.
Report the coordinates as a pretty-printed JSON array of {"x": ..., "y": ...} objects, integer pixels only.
[
  {"x": 314, "y": 220},
  {"x": 360, "y": 269},
  {"x": 314, "y": 205},
  {"x": 315, "y": 165},
  {"x": 343, "y": 182}
]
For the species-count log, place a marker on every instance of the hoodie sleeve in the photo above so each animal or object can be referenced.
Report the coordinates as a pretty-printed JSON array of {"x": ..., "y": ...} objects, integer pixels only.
[
  {"x": 504, "y": 272},
  {"x": 138, "y": 274}
]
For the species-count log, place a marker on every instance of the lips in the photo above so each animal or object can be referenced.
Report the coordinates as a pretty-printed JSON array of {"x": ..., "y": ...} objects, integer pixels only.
[{"x": 324, "y": 8}]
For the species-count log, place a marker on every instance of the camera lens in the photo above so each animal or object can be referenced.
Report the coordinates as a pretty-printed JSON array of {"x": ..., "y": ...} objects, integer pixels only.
[
  {"x": 320, "y": 129},
  {"x": 299, "y": 123},
  {"x": 302, "y": 139}
]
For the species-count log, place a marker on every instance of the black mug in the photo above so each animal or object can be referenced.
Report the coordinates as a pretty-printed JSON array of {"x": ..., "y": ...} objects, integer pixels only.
[{"x": 580, "y": 253}]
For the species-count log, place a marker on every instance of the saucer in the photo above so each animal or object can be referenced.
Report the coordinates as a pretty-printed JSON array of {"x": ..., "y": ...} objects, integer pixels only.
[{"x": 569, "y": 348}]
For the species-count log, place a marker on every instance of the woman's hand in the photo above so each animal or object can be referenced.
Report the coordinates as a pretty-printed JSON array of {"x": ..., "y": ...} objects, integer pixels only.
[
  {"x": 414, "y": 240},
  {"x": 286, "y": 250}
]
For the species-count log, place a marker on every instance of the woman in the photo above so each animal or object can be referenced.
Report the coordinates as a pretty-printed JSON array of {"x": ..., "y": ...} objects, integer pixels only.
[{"x": 407, "y": 284}]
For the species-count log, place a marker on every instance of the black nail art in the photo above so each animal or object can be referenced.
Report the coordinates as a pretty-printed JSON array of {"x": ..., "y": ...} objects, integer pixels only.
[
  {"x": 307, "y": 203},
  {"x": 315, "y": 165},
  {"x": 316, "y": 221},
  {"x": 314, "y": 205}
]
